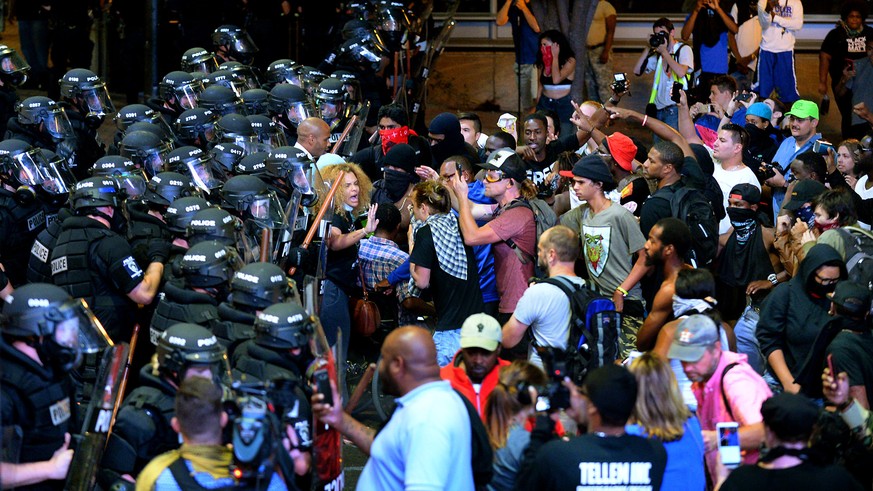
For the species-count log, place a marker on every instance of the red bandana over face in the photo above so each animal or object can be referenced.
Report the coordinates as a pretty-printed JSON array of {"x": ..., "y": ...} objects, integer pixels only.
[{"x": 393, "y": 137}]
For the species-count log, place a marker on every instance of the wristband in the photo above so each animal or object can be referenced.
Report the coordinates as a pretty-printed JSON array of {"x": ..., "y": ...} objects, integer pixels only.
[
  {"x": 645, "y": 118},
  {"x": 772, "y": 278},
  {"x": 621, "y": 290}
]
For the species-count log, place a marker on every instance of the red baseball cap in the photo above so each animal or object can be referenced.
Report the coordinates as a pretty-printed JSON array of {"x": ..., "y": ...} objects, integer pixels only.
[{"x": 622, "y": 149}]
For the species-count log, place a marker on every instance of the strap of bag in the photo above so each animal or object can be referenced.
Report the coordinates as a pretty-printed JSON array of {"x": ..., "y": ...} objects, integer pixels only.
[
  {"x": 363, "y": 283},
  {"x": 724, "y": 398}
]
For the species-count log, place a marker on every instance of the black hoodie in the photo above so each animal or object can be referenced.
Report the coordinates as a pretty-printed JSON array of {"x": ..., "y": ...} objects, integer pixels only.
[{"x": 791, "y": 316}]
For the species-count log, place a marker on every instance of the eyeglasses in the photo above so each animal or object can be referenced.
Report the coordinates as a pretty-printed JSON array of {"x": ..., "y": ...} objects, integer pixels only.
[
  {"x": 826, "y": 281},
  {"x": 495, "y": 176}
]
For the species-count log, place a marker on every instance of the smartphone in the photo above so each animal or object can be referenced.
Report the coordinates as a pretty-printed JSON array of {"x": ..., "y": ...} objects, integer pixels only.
[
  {"x": 322, "y": 384},
  {"x": 710, "y": 108},
  {"x": 619, "y": 77},
  {"x": 822, "y": 147},
  {"x": 675, "y": 96},
  {"x": 850, "y": 64},
  {"x": 543, "y": 404},
  {"x": 831, "y": 366},
  {"x": 744, "y": 97},
  {"x": 729, "y": 443}
]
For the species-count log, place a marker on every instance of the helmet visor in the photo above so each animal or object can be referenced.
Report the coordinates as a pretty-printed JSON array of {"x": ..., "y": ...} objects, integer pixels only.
[
  {"x": 13, "y": 63},
  {"x": 30, "y": 167},
  {"x": 242, "y": 44},
  {"x": 97, "y": 101},
  {"x": 267, "y": 211},
  {"x": 58, "y": 125},
  {"x": 187, "y": 95},
  {"x": 206, "y": 66},
  {"x": 297, "y": 112},
  {"x": 330, "y": 110},
  {"x": 58, "y": 178},
  {"x": 273, "y": 139},
  {"x": 299, "y": 178},
  {"x": 202, "y": 175},
  {"x": 76, "y": 327}
]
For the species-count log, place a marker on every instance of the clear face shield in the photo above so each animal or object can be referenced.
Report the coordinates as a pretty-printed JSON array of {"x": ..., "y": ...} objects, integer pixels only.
[
  {"x": 57, "y": 124},
  {"x": 202, "y": 174},
  {"x": 297, "y": 112},
  {"x": 30, "y": 167},
  {"x": 266, "y": 210},
  {"x": 233, "y": 107},
  {"x": 187, "y": 95},
  {"x": 272, "y": 138},
  {"x": 250, "y": 144},
  {"x": 97, "y": 102},
  {"x": 15, "y": 66},
  {"x": 243, "y": 48},
  {"x": 152, "y": 160},
  {"x": 58, "y": 178},
  {"x": 206, "y": 66},
  {"x": 331, "y": 110},
  {"x": 76, "y": 332}
]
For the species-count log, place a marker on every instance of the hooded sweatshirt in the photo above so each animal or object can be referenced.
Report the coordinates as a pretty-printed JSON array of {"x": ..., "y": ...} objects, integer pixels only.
[{"x": 792, "y": 315}]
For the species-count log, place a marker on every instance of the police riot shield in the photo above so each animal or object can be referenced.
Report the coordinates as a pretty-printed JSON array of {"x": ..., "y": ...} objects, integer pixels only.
[
  {"x": 349, "y": 145},
  {"x": 327, "y": 443}
]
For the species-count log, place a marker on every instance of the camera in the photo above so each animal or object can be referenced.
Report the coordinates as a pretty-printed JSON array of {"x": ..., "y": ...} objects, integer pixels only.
[
  {"x": 766, "y": 171},
  {"x": 554, "y": 396},
  {"x": 744, "y": 97},
  {"x": 619, "y": 85},
  {"x": 657, "y": 39},
  {"x": 822, "y": 147}
]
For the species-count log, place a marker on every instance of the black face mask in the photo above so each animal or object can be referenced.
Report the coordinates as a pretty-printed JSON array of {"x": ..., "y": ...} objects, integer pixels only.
[
  {"x": 61, "y": 358},
  {"x": 755, "y": 133},
  {"x": 819, "y": 290},
  {"x": 396, "y": 184},
  {"x": 743, "y": 221}
]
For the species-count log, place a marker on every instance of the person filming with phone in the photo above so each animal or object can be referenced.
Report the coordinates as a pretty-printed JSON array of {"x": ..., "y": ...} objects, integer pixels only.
[{"x": 726, "y": 387}]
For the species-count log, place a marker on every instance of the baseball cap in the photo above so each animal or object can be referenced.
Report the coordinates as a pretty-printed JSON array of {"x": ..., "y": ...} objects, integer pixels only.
[
  {"x": 591, "y": 167},
  {"x": 401, "y": 156},
  {"x": 804, "y": 109},
  {"x": 761, "y": 110},
  {"x": 622, "y": 149},
  {"x": 853, "y": 297},
  {"x": 790, "y": 416},
  {"x": 613, "y": 391},
  {"x": 693, "y": 336},
  {"x": 481, "y": 331},
  {"x": 804, "y": 192},
  {"x": 746, "y": 192},
  {"x": 508, "y": 162}
]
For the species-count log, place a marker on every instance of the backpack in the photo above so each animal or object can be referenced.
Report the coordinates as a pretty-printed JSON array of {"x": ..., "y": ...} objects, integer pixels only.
[
  {"x": 859, "y": 254},
  {"x": 594, "y": 329},
  {"x": 691, "y": 206},
  {"x": 544, "y": 218},
  {"x": 482, "y": 457}
]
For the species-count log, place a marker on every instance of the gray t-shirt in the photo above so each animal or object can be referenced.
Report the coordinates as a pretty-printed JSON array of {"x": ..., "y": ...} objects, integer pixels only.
[
  {"x": 546, "y": 310},
  {"x": 609, "y": 240},
  {"x": 507, "y": 460}
]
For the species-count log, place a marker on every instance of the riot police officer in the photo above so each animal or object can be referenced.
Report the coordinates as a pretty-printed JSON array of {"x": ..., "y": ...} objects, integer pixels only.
[
  {"x": 268, "y": 133},
  {"x": 93, "y": 262},
  {"x": 195, "y": 165},
  {"x": 255, "y": 101},
  {"x": 178, "y": 216},
  {"x": 88, "y": 105},
  {"x": 146, "y": 216},
  {"x": 199, "y": 60},
  {"x": 283, "y": 71},
  {"x": 288, "y": 105},
  {"x": 196, "y": 127},
  {"x": 43, "y": 330},
  {"x": 225, "y": 156},
  {"x": 251, "y": 200},
  {"x": 44, "y": 124},
  {"x": 178, "y": 91},
  {"x": 221, "y": 100},
  {"x": 236, "y": 128},
  {"x": 233, "y": 44},
  {"x": 142, "y": 428},
  {"x": 253, "y": 288},
  {"x": 206, "y": 269},
  {"x": 23, "y": 173},
  {"x": 13, "y": 73},
  {"x": 146, "y": 150},
  {"x": 131, "y": 114},
  {"x": 214, "y": 224}
]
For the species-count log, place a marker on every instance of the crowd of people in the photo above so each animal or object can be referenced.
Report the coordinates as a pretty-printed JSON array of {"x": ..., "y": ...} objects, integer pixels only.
[{"x": 725, "y": 332}]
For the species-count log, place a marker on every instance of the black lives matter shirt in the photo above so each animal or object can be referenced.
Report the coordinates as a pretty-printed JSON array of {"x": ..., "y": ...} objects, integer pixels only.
[
  {"x": 537, "y": 171},
  {"x": 595, "y": 463}
]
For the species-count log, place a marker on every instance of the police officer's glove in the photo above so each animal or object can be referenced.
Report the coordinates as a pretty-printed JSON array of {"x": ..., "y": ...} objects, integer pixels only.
[
  {"x": 158, "y": 251},
  {"x": 298, "y": 256},
  {"x": 68, "y": 149}
]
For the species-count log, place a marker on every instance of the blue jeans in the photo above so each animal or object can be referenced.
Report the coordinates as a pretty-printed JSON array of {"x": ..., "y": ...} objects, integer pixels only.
[
  {"x": 564, "y": 109},
  {"x": 669, "y": 116},
  {"x": 335, "y": 315},
  {"x": 747, "y": 342},
  {"x": 447, "y": 344},
  {"x": 34, "y": 36}
]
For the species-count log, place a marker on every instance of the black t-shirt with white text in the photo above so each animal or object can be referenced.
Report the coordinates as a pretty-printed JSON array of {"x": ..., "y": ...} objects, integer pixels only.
[{"x": 537, "y": 171}]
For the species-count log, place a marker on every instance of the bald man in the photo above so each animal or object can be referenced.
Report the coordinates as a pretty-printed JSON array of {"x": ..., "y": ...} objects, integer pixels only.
[
  {"x": 313, "y": 137},
  {"x": 426, "y": 443}
]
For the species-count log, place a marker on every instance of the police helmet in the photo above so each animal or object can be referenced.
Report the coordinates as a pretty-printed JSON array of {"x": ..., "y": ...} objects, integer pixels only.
[
  {"x": 213, "y": 224},
  {"x": 225, "y": 78},
  {"x": 183, "y": 346},
  {"x": 125, "y": 172},
  {"x": 268, "y": 133},
  {"x": 199, "y": 60},
  {"x": 311, "y": 77},
  {"x": 66, "y": 326},
  {"x": 87, "y": 92},
  {"x": 38, "y": 109},
  {"x": 181, "y": 211},
  {"x": 27, "y": 170},
  {"x": 393, "y": 23},
  {"x": 255, "y": 101},
  {"x": 210, "y": 264},
  {"x": 236, "y": 128},
  {"x": 180, "y": 89},
  {"x": 284, "y": 71},
  {"x": 196, "y": 124},
  {"x": 93, "y": 192},
  {"x": 146, "y": 149},
  {"x": 131, "y": 114},
  {"x": 259, "y": 285},
  {"x": 244, "y": 74},
  {"x": 55, "y": 189},
  {"x": 252, "y": 200},
  {"x": 221, "y": 100},
  {"x": 350, "y": 83},
  {"x": 226, "y": 155},
  {"x": 284, "y": 326},
  {"x": 253, "y": 164},
  {"x": 13, "y": 68},
  {"x": 292, "y": 165},
  {"x": 196, "y": 164},
  {"x": 356, "y": 28},
  {"x": 236, "y": 42},
  {"x": 330, "y": 100},
  {"x": 290, "y": 104},
  {"x": 166, "y": 187}
]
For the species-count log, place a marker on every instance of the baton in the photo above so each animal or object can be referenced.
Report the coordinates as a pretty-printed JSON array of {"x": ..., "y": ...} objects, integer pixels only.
[{"x": 315, "y": 225}]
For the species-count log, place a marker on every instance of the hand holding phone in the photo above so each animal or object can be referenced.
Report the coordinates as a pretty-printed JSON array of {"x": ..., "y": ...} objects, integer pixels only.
[{"x": 729, "y": 443}]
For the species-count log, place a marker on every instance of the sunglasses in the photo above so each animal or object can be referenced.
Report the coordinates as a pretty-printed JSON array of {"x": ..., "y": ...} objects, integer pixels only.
[{"x": 495, "y": 176}]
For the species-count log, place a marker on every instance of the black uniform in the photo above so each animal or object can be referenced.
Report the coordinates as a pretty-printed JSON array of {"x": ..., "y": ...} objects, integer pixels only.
[
  {"x": 178, "y": 304},
  {"x": 19, "y": 226},
  {"x": 38, "y": 400},
  {"x": 88, "y": 148},
  {"x": 143, "y": 228},
  {"x": 8, "y": 98},
  {"x": 29, "y": 134},
  {"x": 235, "y": 327},
  {"x": 39, "y": 269},
  {"x": 92, "y": 262}
]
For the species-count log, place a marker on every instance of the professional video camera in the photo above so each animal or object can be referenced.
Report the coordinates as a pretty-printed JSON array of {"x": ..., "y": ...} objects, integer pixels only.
[
  {"x": 260, "y": 412},
  {"x": 554, "y": 396}
]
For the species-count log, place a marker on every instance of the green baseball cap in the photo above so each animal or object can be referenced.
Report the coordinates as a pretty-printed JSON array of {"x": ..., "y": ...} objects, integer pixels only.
[{"x": 804, "y": 109}]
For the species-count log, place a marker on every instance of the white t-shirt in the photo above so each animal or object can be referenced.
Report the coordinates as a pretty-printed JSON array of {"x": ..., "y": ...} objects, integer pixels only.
[
  {"x": 546, "y": 310},
  {"x": 665, "y": 82},
  {"x": 861, "y": 188},
  {"x": 726, "y": 181}
]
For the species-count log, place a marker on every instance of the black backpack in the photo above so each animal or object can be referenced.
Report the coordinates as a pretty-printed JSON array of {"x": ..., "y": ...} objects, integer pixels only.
[
  {"x": 692, "y": 207},
  {"x": 544, "y": 219},
  {"x": 482, "y": 458},
  {"x": 594, "y": 329}
]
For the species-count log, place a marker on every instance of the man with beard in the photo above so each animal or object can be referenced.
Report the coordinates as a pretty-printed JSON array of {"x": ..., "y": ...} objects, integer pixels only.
[
  {"x": 474, "y": 370},
  {"x": 537, "y": 154},
  {"x": 668, "y": 243},
  {"x": 796, "y": 311},
  {"x": 803, "y": 120},
  {"x": 313, "y": 137},
  {"x": 748, "y": 269},
  {"x": 544, "y": 307},
  {"x": 725, "y": 386},
  {"x": 428, "y": 439}
]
